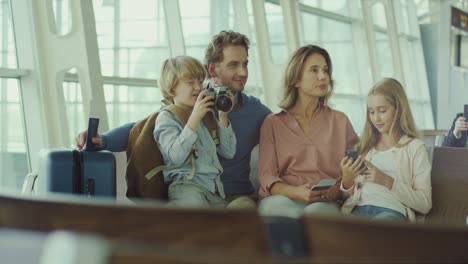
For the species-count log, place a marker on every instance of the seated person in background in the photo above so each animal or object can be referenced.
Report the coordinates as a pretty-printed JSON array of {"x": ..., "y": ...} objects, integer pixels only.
[
  {"x": 305, "y": 142},
  {"x": 397, "y": 178},
  {"x": 181, "y": 83},
  {"x": 226, "y": 59},
  {"x": 458, "y": 134}
]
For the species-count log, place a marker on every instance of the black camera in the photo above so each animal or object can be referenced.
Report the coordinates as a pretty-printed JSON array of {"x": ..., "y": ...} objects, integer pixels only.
[{"x": 222, "y": 102}]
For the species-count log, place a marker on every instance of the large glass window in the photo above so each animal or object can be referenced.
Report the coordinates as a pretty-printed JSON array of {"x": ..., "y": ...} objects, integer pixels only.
[
  {"x": 132, "y": 37},
  {"x": 201, "y": 20},
  {"x": 415, "y": 80},
  {"x": 382, "y": 41},
  {"x": 13, "y": 149},
  {"x": 274, "y": 16},
  {"x": 130, "y": 103},
  {"x": 336, "y": 6},
  {"x": 7, "y": 43}
]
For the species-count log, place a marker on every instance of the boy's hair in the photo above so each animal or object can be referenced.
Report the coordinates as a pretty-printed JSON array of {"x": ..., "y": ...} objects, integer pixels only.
[
  {"x": 177, "y": 69},
  {"x": 403, "y": 122},
  {"x": 214, "y": 51},
  {"x": 293, "y": 73}
]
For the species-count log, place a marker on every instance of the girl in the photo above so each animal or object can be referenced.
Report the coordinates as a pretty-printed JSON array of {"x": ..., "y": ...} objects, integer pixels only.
[
  {"x": 396, "y": 180},
  {"x": 305, "y": 142}
]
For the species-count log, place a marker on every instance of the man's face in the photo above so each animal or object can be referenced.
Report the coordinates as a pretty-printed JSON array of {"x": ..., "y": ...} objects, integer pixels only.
[{"x": 232, "y": 71}]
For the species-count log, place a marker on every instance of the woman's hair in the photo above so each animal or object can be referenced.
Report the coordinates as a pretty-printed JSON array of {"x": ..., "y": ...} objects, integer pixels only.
[
  {"x": 214, "y": 52},
  {"x": 293, "y": 74},
  {"x": 403, "y": 122},
  {"x": 177, "y": 69}
]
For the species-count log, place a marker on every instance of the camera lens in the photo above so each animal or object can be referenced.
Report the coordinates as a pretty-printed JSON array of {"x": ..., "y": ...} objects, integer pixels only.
[{"x": 223, "y": 103}]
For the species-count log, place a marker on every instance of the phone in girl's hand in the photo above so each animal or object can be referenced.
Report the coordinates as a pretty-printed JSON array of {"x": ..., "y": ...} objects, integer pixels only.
[
  {"x": 465, "y": 113},
  {"x": 323, "y": 184},
  {"x": 353, "y": 154}
]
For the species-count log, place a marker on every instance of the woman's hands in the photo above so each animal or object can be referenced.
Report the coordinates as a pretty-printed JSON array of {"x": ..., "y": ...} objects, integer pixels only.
[
  {"x": 303, "y": 194},
  {"x": 351, "y": 169},
  {"x": 373, "y": 174}
]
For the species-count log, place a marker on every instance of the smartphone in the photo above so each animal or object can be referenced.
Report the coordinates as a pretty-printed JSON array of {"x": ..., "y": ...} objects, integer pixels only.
[
  {"x": 465, "y": 113},
  {"x": 323, "y": 184},
  {"x": 352, "y": 153},
  {"x": 92, "y": 131}
]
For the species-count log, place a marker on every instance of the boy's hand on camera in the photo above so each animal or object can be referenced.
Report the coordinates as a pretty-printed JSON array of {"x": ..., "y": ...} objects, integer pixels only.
[
  {"x": 223, "y": 116},
  {"x": 202, "y": 106},
  {"x": 373, "y": 174}
]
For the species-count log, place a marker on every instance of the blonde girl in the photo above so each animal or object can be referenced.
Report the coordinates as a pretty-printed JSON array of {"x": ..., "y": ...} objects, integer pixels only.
[{"x": 396, "y": 180}]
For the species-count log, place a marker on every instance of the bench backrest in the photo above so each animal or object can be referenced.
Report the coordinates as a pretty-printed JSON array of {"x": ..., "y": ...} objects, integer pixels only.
[
  {"x": 449, "y": 177},
  {"x": 340, "y": 239},
  {"x": 236, "y": 231}
]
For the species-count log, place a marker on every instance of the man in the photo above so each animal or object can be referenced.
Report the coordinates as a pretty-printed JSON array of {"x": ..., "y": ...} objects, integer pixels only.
[
  {"x": 457, "y": 135},
  {"x": 226, "y": 60}
]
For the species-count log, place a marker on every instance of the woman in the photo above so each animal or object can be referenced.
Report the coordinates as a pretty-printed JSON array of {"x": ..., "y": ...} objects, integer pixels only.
[{"x": 305, "y": 142}]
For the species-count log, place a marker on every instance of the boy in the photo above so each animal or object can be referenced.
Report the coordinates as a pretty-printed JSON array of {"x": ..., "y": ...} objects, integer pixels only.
[{"x": 181, "y": 82}]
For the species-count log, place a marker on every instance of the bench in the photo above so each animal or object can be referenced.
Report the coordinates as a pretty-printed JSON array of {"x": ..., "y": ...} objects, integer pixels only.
[
  {"x": 235, "y": 233},
  {"x": 449, "y": 177}
]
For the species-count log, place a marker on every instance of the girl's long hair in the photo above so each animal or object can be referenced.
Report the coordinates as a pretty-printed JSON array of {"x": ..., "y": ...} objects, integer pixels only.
[{"x": 403, "y": 122}]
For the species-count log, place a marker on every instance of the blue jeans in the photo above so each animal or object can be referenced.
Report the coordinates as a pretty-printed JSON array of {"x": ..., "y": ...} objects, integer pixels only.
[{"x": 377, "y": 212}]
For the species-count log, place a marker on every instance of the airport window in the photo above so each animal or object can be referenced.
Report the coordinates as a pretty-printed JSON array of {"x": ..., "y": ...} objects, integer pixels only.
[
  {"x": 62, "y": 12},
  {"x": 132, "y": 37},
  {"x": 275, "y": 23},
  {"x": 13, "y": 148},
  {"x": 335, "y": 6},
  {"x": 382, "y": 41},
  {"x": 201, "y": 20},
  {"x": 130, "y": 103}
]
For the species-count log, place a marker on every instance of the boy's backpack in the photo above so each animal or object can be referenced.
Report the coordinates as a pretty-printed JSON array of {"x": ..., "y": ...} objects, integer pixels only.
[{"x": 145, "y": 162}]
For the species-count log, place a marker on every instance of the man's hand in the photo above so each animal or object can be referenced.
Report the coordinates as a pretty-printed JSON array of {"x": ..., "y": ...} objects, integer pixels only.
[
  {"x": 460, "y": 125},
  {"x": 80, "y": 141}
]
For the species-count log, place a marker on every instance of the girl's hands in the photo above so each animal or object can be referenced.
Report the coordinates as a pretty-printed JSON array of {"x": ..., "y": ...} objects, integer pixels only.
[
  {"x": 202, "y": 106},
  {"x": 223, "y": 116},
  {"x": 373, "y": 174},
  {"x": 460, "y": 125},
  {"x": 351, "y": 169}
]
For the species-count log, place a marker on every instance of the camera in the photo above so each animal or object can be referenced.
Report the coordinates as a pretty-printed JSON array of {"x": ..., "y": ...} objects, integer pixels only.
[{"x": 222, "y": 102}]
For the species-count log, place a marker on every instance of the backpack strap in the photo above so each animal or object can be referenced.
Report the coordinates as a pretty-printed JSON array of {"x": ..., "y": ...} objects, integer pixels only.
[
  {"x": 210, "y": 122},
  {"x": 212, "y": 125},
  {"x": 182, "y": 117}
]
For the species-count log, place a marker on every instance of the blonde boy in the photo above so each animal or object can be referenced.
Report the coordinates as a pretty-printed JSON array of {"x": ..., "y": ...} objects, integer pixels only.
[{"x": 181, "y": 83}]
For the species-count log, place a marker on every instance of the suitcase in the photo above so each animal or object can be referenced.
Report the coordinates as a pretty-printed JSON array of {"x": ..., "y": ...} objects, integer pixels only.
[{"x": 89, "y": 173}]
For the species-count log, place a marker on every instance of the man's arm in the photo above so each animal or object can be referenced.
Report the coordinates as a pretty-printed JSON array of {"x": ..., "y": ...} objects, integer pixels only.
[
  {"x": 116, "y": 140},
  {"x": 451, "y": 140}
]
